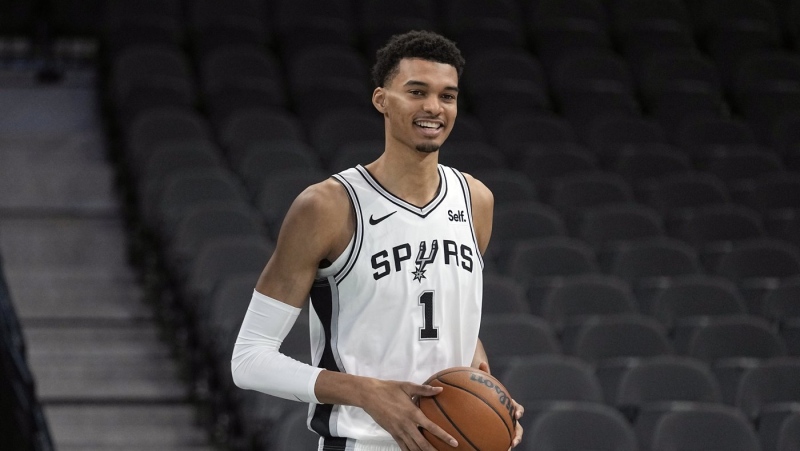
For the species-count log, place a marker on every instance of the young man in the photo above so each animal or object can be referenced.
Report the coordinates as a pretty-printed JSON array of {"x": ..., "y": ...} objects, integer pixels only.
[{"x": 390, "y": 256}]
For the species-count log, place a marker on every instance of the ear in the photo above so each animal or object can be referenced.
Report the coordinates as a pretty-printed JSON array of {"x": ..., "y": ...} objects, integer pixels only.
[{"x": 379, "y": 99}]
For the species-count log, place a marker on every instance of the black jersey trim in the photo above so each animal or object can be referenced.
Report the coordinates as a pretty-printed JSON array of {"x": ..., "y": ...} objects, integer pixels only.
[
  {"x": 422, "y": 212},
  {"x": 468, "y": 202},
  {"x": 359, "y": 229},
  {"x": 325, "y": 299}
]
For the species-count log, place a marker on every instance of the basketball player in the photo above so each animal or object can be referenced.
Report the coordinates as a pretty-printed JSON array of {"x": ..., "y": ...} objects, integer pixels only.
[{"x": 390, "y": 255}]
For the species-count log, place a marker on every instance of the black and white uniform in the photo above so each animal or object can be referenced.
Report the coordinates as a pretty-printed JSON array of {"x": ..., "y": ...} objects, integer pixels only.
[{"x": 401, "y": 303}]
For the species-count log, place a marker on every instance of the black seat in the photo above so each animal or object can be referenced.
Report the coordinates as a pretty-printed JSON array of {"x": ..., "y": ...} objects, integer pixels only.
[
  {"x": 584, "y": 426},
  {"x": 706, "y": 426},
  {"x": 659, "y": 385},
  {"x": 768, "y": 394},
  {"x": 732, "y": 345}
]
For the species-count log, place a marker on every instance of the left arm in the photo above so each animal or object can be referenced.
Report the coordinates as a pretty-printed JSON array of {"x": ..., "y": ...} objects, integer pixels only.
[{"x": 482, "y": 214}]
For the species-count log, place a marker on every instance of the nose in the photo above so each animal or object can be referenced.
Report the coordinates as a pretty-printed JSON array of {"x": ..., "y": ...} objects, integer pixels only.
[{"x": 432, "y": 105}]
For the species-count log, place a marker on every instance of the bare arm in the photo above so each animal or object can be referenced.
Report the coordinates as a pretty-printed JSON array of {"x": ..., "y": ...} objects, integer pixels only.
[{"x": 482, "y": 215}]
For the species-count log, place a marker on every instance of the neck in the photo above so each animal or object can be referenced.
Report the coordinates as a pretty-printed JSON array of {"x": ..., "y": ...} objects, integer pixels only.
[{"x": 409, "y": 174}]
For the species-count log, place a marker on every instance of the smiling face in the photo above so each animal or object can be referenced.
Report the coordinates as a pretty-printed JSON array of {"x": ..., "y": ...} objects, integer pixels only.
[{"x": 419, "y": 104}]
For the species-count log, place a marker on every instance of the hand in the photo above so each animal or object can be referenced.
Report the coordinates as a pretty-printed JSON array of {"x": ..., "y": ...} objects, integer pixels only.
[
  {"x": 391, "y": 405},
  {"x": 518, "y": 410}
]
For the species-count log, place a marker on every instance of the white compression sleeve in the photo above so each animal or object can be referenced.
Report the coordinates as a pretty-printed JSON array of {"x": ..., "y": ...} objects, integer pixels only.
[{"x": 258, "y": 365}]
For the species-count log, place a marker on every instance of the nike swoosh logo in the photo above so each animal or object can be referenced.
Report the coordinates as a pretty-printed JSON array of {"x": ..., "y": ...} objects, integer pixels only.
[{"x": 373, "y": 221}]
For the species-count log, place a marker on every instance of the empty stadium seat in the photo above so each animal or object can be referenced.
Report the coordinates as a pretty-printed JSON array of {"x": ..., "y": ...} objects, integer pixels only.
[
  {"x": 515, "y": 132},
  {"x": 557, "y": 27},
  {"x": 614, "y": 343},
  {"x": 509, "y": 186},
  {"x": 260, "y": 126},
  {"x": 642, "y": 28},
  {"x": 379, "y": 20},
  {"x": 707, "y": 426},
  {"x": 781, "y": 307},
  {"x": 580, "y": 426},
  {"x": 659, "y": 385},
  {"x": 642, "y": 165},
  {"x": 732, "y": 345},
  {"x": 768, "y": 394},
  {"x": 648, "y": 264},
  {"x": 277, "y": 193},
  {"x": 238, "y": 77},
  {"x": 507, "y": 337},
  {"x": 688, "y": 302},
  {"x": 758, "y": 266},
  {"x": 503, "y": 295},
  {"x": 545, "y": 164},
  {"x": 505, "y": 81},
  {"x": 610, "y": 136},
  {"x": 542, "y": 381},
  {"x": 541, "y": 264},
  {"x": 479, "y": 25}
]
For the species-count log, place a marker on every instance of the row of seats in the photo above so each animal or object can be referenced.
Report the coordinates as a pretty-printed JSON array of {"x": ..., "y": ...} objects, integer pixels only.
[
  {"x": 221, "y": 118},
  {"x": 24, "y": 426},
  {"x": 666, "y": 403},
  {"x": 668, "y": 87}
]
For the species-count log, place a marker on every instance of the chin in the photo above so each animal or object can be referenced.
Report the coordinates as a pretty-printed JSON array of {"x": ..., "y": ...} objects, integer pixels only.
[{"x": 428, "y": 147}]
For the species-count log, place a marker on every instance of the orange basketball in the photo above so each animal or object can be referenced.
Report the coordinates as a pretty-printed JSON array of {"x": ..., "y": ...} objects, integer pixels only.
[{"x": 474, "y": 408}]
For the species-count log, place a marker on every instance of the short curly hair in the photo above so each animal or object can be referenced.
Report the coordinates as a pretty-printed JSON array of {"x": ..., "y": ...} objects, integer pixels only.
[{"x": 425, "y": 45}]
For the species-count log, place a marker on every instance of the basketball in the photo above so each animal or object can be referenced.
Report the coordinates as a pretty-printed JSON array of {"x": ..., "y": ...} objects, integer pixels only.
[{"x": 473, "y": 407}]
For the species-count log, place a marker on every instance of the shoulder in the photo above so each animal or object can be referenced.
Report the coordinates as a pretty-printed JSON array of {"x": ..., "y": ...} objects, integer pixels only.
[
  {"x": 325, "y": 199},
  {"x": 482, "y": 197}
]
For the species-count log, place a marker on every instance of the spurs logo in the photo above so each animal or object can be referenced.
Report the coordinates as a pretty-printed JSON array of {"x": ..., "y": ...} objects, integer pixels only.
[{"x": 422, "y": 259}]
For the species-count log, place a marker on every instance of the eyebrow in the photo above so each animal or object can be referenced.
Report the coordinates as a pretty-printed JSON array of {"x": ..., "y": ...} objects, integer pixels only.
[{"x": 425, "y": 85}]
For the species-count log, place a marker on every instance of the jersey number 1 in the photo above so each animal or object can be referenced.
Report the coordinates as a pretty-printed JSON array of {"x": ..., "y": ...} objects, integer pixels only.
[{"x": 427, "y": 331}]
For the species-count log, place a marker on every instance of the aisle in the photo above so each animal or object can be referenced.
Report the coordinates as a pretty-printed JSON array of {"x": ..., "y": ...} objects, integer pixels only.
[{"x": 105, "y": 379}]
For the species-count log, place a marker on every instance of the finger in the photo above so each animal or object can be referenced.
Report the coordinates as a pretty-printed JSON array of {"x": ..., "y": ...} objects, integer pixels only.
[
  {"x": 484, "y": 366},
  {"x": 519, "y": 410},
  {"x": 517, "y": 436},
  {"x": 414, "y": 390},
  {"x": 436, "y": 430}
]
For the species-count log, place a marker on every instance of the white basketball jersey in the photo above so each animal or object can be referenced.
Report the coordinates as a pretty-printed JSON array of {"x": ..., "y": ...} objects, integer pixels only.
[{"x": 403, "y": 302}]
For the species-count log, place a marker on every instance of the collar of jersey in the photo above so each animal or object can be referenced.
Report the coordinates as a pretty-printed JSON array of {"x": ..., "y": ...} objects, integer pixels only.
[{"x": 423, "y": 211}]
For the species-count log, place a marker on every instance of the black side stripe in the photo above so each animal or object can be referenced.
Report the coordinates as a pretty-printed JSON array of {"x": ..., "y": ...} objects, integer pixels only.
[
  {"x": 322, "y": 300},
  {"x": 468, "y": 201}
]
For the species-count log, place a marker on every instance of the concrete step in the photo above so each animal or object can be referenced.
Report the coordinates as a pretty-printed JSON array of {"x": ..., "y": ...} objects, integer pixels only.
[
  {"x": 75, "y": 293},
  {"x": 127, "y": 427},
  {"x": 63, "y": 242}
]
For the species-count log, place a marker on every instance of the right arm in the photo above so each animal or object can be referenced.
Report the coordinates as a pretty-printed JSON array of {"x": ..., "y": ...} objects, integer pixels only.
[{"x": 317, "y": 227}]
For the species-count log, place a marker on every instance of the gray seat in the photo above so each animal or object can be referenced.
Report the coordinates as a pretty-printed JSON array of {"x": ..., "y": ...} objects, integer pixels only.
[
  {"x": 614, "y": 343},
  {"x": 578, "y": 298},
  {"x": 649, "y": 263},
  {"x": 768, "y": 394},
  {"x": 541, "y": 264},
  {"x": 758, "y": 265},
  {"x": 658, "y": 385},
  {"x": 539, "y": 382},
  {"x": 509, "y": 336},
  {"x": 580, "y": 426},
  {"x": 734, "y": 344},
  {"x": 707, "y": 426},
  {"x": 263, "y": 160},
  {"x": 262, "y": 126},
  {"x": 277, "y": 193},
  {"x": 688, "y": 301},
  {"x": 780, "y": 306},
  {"x": 789, "y": 434},
  {"x": 502, "y": 294}
]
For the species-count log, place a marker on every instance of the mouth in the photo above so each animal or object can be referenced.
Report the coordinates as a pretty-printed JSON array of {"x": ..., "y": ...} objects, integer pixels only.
[{"x": 429, "y": 127}]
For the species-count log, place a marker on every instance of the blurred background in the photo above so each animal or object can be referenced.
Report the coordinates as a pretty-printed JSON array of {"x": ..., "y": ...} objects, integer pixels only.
[{"x": 642, "y": 287}]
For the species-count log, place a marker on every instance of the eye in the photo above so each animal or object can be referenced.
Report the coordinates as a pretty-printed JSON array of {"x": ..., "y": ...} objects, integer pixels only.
[
  {"x": 448, "y": 97},
  {"x": 416, "y": 92}
]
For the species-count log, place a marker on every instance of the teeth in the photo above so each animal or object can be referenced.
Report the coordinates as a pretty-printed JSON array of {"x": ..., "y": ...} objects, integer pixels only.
[{"x": 427, "y": 124}]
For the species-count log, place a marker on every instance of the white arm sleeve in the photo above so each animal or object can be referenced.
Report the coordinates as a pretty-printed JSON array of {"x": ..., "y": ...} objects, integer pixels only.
[{"x": 258, "y": 365}]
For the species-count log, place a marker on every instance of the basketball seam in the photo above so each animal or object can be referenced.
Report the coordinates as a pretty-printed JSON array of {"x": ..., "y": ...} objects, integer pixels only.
[
  {"x": 510, "y": 434},
  {"x": 444, "y": 412}
]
